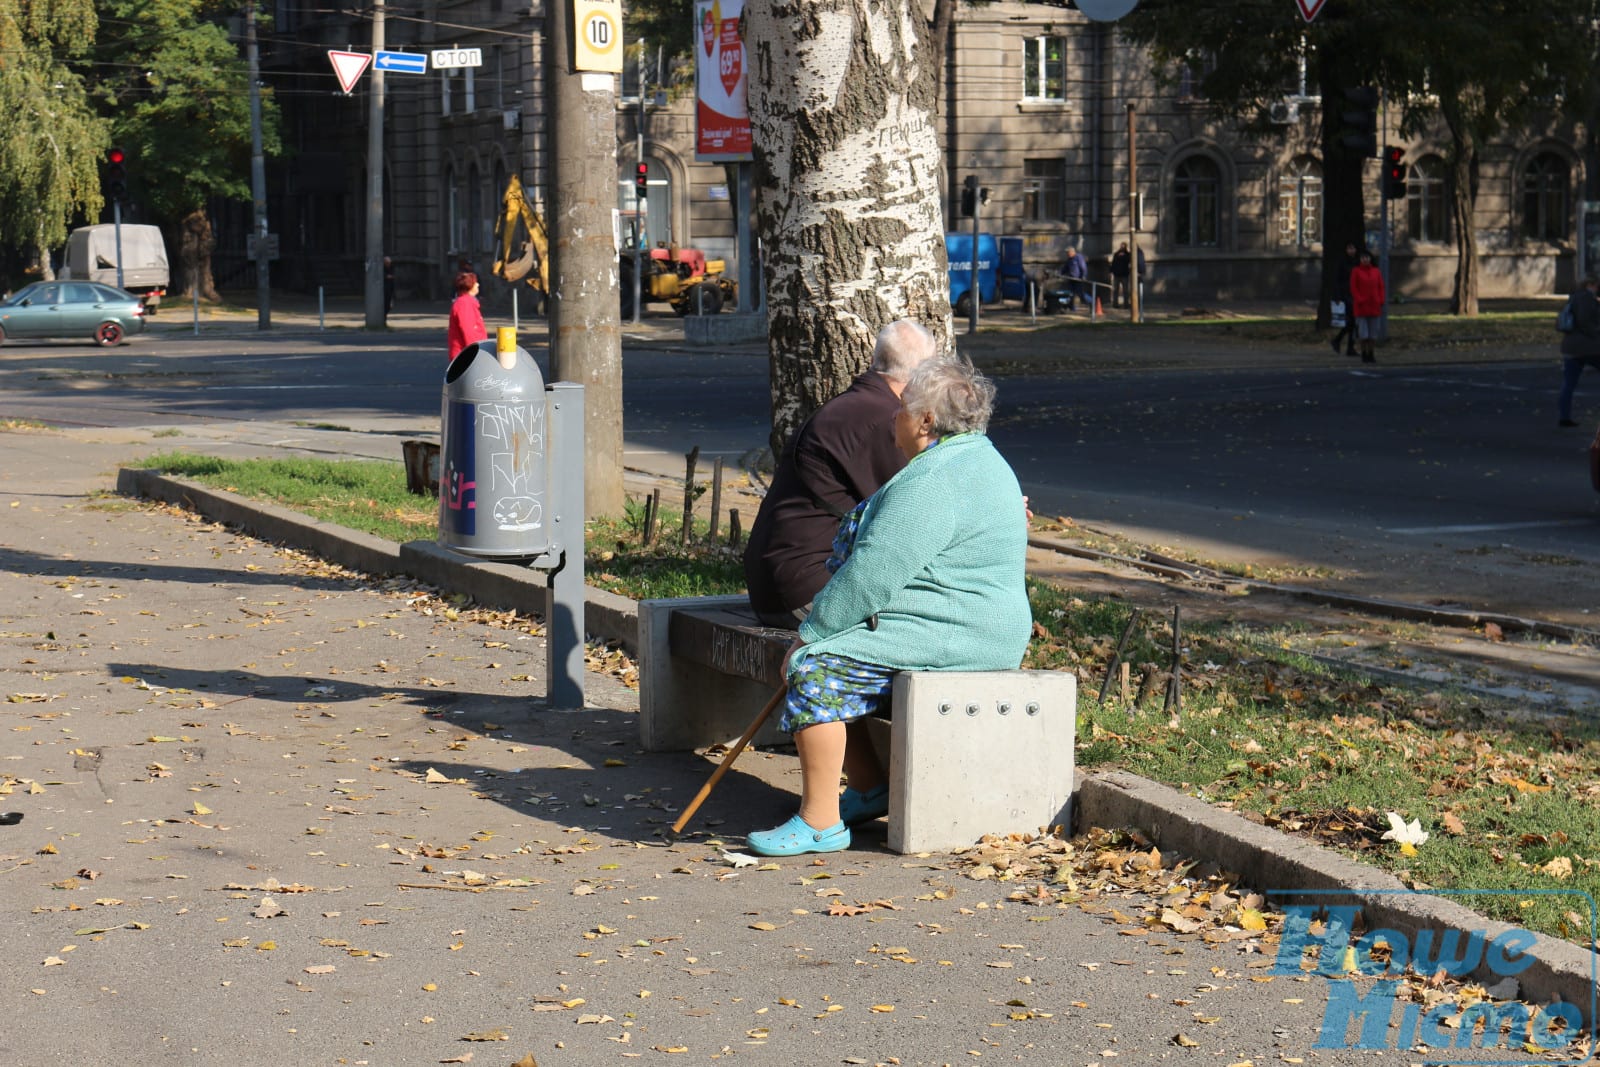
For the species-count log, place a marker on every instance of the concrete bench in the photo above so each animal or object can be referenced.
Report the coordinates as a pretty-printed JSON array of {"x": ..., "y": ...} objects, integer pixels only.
[{"x": 969, "y": 753}]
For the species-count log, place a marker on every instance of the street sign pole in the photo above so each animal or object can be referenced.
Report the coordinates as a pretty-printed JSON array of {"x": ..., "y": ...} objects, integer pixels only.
[{"x": 374, "y": 290}]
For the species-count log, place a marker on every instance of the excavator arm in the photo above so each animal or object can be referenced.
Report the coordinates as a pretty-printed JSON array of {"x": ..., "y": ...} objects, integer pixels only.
[{"x": 531, "y": 245}]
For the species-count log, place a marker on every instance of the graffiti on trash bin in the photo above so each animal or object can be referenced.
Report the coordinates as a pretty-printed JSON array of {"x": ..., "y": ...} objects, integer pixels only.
[{"x": 514, "y": 434}]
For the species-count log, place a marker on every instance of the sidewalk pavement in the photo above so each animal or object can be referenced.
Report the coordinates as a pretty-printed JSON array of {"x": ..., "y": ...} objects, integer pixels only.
[{"x": 276, "y": 812}]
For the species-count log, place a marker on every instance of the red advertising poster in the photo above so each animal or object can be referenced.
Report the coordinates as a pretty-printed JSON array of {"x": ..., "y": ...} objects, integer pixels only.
[{"x": 722, "y": 121}]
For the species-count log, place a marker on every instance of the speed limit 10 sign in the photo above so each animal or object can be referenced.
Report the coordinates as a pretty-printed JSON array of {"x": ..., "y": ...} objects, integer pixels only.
[{"x": 597, "y": 34}]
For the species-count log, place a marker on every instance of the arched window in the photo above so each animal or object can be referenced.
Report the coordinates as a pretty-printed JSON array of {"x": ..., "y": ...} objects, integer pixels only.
[
  {"x": 1427, "y": 210},
  {"x": 1545, "y": 182},
  {"x": 1196, "y": 203},
  {"x": 1300, "y": 204}
]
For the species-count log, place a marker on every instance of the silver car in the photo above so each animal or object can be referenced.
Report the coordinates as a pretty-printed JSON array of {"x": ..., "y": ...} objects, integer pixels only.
[{"x": 71, "y": 309}]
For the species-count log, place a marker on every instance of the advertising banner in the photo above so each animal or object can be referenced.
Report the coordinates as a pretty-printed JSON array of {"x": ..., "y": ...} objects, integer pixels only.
[{"x": 722, "y": 121}]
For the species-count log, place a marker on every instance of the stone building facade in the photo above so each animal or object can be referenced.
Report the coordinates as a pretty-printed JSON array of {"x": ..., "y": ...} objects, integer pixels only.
[{"x": 1037, "y": 106}]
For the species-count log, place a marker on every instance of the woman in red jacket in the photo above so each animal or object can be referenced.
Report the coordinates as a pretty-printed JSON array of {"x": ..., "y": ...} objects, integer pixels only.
[
  {"x": 466, "y": 320},
  {"x": 1366, "y": 303}
]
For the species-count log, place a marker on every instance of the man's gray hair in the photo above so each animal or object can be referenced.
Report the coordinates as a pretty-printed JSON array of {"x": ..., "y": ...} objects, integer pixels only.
[
  {"x": 901, "y": 346},
  {"x": 953, "y": 392}
]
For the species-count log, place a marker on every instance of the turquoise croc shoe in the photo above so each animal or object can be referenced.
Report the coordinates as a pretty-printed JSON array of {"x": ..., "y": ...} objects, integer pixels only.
[
  {"x": 797, "y": 838},
  {"x": 856, "y": 807}
]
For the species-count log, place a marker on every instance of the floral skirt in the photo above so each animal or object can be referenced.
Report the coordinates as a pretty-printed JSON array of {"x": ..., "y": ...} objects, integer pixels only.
[{"x": 829, "y": 688}]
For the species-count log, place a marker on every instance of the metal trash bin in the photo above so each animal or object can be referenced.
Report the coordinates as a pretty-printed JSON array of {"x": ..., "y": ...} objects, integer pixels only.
[{"x": 492, "y": 470}]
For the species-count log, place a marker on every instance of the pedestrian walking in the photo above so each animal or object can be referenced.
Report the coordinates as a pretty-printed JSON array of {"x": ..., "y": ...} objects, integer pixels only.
[
  {"x": 1366, "y": 303},
  {"x": 1580, "y": 346},
  {"x": 466, "y": 318},
  {"x": 1076, "y": 270},
  {"x": 1121, "y": 270},
  {"x": 1341, "y": 293}
]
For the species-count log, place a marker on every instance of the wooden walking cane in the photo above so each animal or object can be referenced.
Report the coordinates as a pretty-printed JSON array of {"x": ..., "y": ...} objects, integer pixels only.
[{"x": 727, "y": 761}]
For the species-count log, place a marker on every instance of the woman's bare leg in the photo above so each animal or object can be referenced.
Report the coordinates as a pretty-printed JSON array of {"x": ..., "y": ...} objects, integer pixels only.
[
  {"x": 861, "y": 763},
  {"x": 822, "y": 752}
]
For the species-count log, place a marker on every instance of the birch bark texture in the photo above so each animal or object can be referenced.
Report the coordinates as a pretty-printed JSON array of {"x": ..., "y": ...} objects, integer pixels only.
[{"x": 843, "y": 97}]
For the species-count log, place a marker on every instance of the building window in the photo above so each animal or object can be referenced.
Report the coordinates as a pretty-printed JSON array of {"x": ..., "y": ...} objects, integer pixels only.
[
  {"x": 1426, "y": 208},
  {"x": 455, "y": 216},
  {"x": 444, "y": 91},
  {"x": 1300, "y": 204},
  {"x": 1197, "y": 66},
  {"x": 1044, "y": 68},
  {"x": 469, "y": 92},
  {"x": 1196, "y": 203},
  {"x": 1044, "y": 183},
  {"x": 1545, "y": 182}
]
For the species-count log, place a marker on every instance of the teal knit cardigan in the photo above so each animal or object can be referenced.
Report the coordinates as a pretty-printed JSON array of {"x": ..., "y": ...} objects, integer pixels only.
[{"x": 939, "y": 556}]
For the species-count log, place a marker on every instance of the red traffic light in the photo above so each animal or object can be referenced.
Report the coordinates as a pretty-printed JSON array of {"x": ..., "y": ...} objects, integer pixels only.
[
  {"x": 641, "y": 178},
  {"x": 1394, "y": 172},
  {"x": 116, "y": 155}
]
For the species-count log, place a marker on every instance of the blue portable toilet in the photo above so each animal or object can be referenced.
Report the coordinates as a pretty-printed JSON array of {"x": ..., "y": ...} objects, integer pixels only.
[{"x": 958, "y": 250}]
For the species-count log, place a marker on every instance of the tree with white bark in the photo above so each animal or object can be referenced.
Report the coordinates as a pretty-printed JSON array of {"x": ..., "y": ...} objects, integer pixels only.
[{"x": 843, "y": 97}]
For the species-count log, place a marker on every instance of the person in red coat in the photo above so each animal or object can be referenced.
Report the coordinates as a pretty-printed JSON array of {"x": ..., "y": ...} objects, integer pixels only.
[
  {"x": 1366, "y": 303},
  {"x": 466, "y": 320}
]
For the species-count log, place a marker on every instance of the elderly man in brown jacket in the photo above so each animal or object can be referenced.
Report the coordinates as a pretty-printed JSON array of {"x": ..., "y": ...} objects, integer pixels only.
[{"x": 842, "y": 454}]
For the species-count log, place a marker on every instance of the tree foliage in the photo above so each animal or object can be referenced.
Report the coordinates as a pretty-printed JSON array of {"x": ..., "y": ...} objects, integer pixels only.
[
  {"x": 50, "y": 136},
  {"x": 178, "y": 93},
  {"x": 1480, "y": 66},
  {"x": 177, "y": 90}
]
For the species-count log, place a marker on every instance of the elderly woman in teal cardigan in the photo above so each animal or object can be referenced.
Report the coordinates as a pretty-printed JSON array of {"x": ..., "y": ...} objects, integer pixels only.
[{"x": 928, "y": 576}]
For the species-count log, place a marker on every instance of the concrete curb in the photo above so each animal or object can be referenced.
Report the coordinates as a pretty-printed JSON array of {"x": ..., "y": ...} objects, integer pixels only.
[
  {"x": 1271, "y": 860},
  {"x": 500, "y": 585}
]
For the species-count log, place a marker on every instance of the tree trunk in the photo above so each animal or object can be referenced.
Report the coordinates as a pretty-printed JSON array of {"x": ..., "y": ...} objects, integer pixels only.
[
  {"x": 1463, "y": 168},
  {"x": 195, "y": 244},
  {"x": 843, "y": 96},
  {"x": 1344, "y": 208},
  {"x": 47, "y": 270}
]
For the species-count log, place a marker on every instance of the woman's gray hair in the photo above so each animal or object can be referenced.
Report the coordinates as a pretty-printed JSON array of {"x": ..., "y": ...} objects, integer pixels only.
[{"x": 953, "y": 392}]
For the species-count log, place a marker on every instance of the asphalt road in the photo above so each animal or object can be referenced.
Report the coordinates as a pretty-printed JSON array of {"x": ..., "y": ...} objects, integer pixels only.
[{"x": 1311, "y": 464}]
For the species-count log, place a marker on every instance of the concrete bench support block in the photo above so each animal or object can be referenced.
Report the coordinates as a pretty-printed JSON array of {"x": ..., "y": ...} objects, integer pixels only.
[
  {"x": 683, "y": 705},
  {"x": 974, "y": 754}
]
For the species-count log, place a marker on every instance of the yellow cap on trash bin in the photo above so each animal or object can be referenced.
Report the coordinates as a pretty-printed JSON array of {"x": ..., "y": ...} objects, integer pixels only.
[{"x": 505, "y": 341}]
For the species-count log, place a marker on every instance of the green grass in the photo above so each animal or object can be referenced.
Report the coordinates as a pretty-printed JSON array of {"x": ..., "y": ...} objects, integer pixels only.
[
  {"x": 372, "y": 497},
  {"x": 1509, "y": 801}
]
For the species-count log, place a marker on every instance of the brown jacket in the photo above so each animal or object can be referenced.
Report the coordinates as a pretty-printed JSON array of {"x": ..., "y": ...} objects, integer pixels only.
[{"x": 843, "y": 453}]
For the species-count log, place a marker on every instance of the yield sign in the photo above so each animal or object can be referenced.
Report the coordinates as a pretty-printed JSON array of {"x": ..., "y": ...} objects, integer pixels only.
[
  {"x": 349, "y": 66},
  {"x": 1309, "y": 8}
]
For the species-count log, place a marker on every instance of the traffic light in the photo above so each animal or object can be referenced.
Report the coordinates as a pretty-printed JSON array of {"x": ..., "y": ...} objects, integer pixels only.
[
  {"x": 116, "y": 174},
  {"x": 969, "y": 196},
  {"x": 1359, "y": 117},
  {"x": 1394, "y": 172},
  {"x": 641, "y": 178}
]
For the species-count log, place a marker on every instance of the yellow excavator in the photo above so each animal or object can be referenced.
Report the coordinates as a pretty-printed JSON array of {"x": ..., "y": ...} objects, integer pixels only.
[{"x": 520, "y": 230}]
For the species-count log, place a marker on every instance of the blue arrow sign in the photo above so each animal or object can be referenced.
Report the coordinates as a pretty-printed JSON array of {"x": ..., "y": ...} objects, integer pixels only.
[{"x": 401, "y": 62}]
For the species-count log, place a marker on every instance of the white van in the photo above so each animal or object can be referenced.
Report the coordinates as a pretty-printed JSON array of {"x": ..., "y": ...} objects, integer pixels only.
[{"x": 92, "y": 254}]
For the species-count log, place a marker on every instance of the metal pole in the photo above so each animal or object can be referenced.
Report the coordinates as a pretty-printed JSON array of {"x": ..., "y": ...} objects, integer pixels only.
[
  {"x": 258, "y": 177},
  {"x": 374, "y": 291},
  {"x": 322, "y": 323},
  {"x": 196, "y": 292},
  {"x": 516, "y": 322},
  {"x": 1383, "y": 240},
  {"x": 564, "y": 595},
  {"x": 974, "y": 298},
  {"x": 116, "y": 233},
  {"x": 1135, "y": 304},
  {"x": 638, "y": 201}
]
